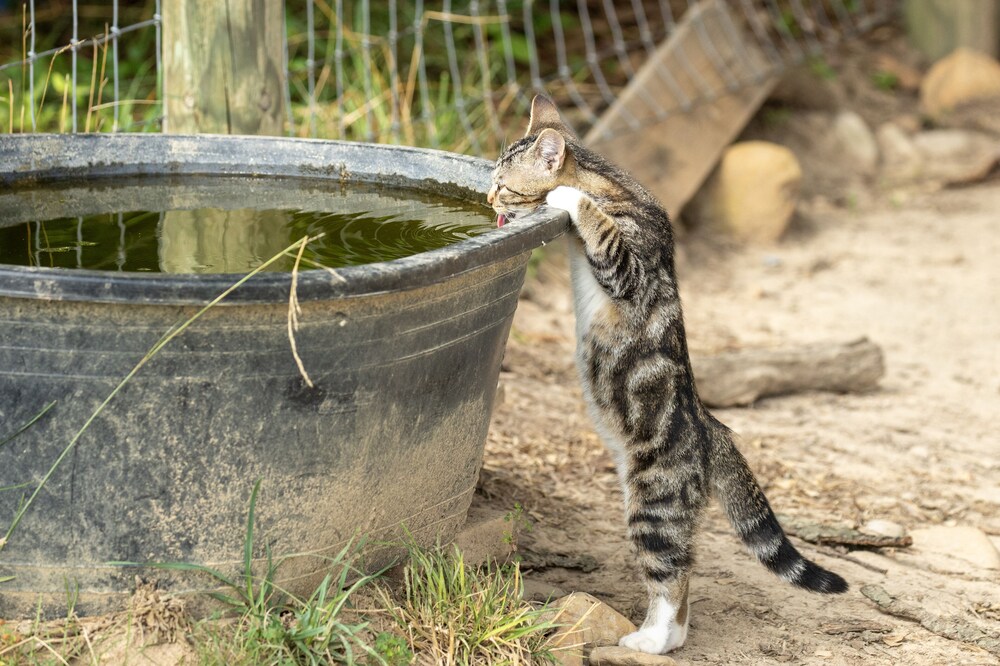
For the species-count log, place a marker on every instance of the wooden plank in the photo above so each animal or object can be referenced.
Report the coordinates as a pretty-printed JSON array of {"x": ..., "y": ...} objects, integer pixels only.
[
  {"x": 224, "y": 66},
  {"x": 674, "y": 155}
]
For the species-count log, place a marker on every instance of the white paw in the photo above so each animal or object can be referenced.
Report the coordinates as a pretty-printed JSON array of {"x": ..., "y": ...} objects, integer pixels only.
[
  {"x": 651, "y": 640},
  {"x": 566, "y": 198},
  {"x": 655, "y": 640}
]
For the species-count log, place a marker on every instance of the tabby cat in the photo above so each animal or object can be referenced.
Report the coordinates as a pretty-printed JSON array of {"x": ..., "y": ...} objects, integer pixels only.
[{"x": 632, "y": 358}]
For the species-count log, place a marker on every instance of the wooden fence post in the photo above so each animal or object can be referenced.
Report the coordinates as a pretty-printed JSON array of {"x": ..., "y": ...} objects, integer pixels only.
[
  {"x": 938, "y": 27},
  {"x": 224, "y": 66}
]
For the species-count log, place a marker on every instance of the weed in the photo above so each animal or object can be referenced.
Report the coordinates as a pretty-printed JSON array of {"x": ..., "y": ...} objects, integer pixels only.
[
  {"x": 886, "y": 81},
  {"x": 451, "y": 613},
  {"x": 519, "y": 523},
  {"x": 275, "y": 626},
  {"x": 822, "y": 69},
  {"x": 776, "y": 116},
  {"x": 393, "y": 649}
]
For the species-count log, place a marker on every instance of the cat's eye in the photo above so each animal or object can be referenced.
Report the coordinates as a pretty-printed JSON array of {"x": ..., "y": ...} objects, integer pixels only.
[{"x": 515, "y": 193}]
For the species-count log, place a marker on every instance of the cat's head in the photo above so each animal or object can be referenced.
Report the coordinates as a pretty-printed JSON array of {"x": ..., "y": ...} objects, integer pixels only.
[{"x": 530, "y": 168}]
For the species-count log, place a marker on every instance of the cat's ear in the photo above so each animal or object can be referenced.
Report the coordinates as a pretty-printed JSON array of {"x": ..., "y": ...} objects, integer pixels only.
[
  {"x": 550, "y": 149},
  {"x": 545, "y": 114}
]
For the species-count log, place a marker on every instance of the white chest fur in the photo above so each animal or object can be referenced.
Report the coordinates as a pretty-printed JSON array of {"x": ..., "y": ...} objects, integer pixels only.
[{"x": 589, "y": 297}]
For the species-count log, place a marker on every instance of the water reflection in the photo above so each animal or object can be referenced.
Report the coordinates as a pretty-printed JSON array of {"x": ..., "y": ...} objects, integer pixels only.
[{"x": 225, "y": 225}]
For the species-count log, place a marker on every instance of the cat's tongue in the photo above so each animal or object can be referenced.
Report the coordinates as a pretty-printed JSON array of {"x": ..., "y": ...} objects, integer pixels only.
[{"x": 501, "y": 220}]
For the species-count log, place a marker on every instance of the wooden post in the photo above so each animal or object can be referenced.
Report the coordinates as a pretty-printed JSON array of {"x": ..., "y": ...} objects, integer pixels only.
[
  {"x": 938, "y": 27},
  {"x": 224, "y": 74},
  {"x": 224, "y": 66}
]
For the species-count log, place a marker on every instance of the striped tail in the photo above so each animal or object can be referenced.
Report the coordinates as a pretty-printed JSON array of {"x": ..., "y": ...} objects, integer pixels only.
[{"x": 752, "y": 518}]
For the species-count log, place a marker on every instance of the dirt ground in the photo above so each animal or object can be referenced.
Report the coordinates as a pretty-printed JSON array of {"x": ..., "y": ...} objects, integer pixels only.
[{"x": 919, "y": 279}]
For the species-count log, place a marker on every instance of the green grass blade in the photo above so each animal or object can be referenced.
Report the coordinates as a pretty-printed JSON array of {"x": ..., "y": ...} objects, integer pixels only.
[
  {"x": 248, "y": 543},
  {"x": 33, "y": 421}
]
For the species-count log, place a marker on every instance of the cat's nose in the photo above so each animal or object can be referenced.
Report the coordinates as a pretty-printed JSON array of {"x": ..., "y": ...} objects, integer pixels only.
[{"x": 491, "y": 195}]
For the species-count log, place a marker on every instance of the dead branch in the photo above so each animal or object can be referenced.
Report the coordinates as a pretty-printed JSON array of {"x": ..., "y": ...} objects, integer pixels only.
[
  {"x": 952, "y": 627},
  {"x": 828, "y": 535},
  {"x": 744, "y": 376}
]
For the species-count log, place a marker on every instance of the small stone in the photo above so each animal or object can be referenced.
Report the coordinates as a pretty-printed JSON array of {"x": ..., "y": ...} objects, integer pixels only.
[
  {"x": 753, "y": 192},
  {"x": 855, "y": 140},
  {"x": 584, "y": 620},
  {"x": 621, "y": 656},
  {"x": 900, "y": 158},
  {"x": 539, "y": 590},
  {"x": 965, "y": 542},
  {"x": 955, "y": 155},
  {"x": 962, "y": 78},
  {"x": 885, "y": 528}
]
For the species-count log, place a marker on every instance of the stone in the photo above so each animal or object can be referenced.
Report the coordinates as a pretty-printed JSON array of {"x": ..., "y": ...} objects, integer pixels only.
[
  {"x": 900, "y": 158},
  {"x": 620, "y": 656},
  {"x": 962, "y": 78},
  {"x": 885, "y": 528},
  {"x": 487, "y": 536},
  {"x": 956, "y": 155},
  {"x": 540, "y": 591},
  {"x": 753, "y": 192},
  {"x": 966, "y": 543},
  {"x": 855, "y": 141},
  {"x": 585, "y": 621}
]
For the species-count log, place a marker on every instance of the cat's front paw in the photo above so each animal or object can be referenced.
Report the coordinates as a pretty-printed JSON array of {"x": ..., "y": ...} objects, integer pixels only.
[
  {"x": 566, "y": 198},
  {"x": 651, "y": 640}
]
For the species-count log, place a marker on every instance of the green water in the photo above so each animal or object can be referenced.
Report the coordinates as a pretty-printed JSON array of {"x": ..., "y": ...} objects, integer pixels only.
[{"x": 227, "y": 225}]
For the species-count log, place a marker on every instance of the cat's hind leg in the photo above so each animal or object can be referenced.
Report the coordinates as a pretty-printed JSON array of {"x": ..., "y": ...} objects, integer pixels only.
[
  {"x": 662, "y": 517},
  {"x": 666, "y": 624}
]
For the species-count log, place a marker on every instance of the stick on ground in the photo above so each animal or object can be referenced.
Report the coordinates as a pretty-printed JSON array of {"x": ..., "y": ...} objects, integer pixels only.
[{"x": 742, "y": 377}]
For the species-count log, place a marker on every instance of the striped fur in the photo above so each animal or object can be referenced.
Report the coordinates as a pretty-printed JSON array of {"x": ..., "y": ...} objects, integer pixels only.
[{"x": 633, "y": 362}]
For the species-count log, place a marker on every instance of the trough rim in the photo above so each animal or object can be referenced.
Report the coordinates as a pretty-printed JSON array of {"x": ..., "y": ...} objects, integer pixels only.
[{"x": 33, "y": 159}]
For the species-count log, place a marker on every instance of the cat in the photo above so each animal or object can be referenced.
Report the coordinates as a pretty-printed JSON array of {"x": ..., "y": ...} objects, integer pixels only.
[{"x": 632, "y": 358}]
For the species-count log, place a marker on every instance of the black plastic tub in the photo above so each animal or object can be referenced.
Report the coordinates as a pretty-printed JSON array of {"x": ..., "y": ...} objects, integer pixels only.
[{"x": 405, "y": 356}]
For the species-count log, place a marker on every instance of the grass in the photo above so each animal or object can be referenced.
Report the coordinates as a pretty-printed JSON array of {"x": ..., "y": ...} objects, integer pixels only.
[
  {"x": 443, "y": 611},
  {"x": 364, "y": 86},
  {"x": 453, "y": 614},
  {"x": 275, "y": 627}
]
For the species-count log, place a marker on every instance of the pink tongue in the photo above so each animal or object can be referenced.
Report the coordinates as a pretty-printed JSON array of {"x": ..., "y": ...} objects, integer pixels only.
[{"x": 500, "y": 221}]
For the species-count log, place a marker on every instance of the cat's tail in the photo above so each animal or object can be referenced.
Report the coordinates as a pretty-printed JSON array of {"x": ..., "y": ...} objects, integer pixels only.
[{"x": 752, "y": 518}]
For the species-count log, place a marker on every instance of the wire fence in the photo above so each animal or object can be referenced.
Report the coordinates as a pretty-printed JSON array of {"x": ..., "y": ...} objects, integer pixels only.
[{"x": 453, "y": 75}]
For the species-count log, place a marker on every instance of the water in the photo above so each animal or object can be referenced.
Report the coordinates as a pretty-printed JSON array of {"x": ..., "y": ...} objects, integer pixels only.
[{"x": 226, "y": 225}]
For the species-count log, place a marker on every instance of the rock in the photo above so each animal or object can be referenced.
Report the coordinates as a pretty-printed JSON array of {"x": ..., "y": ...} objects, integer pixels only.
[
  {"x": 620, "y": 656},
  {"x": 487, "y": 536},
  {"x": 964, "y": 542},
  {"x": 586, "y": 621},
  {"x": 539, "y": 590},
  {"x": 900, "y": 158},
  {"x": 955, "y": 155},
  {"x": 962, "y": 78},
  {"x": 885, "y": 528},
  {"x": 752, "y": 193},
  {"x": 854, "y": 140}
]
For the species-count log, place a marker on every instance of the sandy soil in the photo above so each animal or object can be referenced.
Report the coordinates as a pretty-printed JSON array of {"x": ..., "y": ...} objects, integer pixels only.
[{"x": 918, "y": 278}]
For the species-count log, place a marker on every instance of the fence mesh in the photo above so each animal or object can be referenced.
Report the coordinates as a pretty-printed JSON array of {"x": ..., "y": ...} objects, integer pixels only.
[{"x": 449, "y": 75}]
